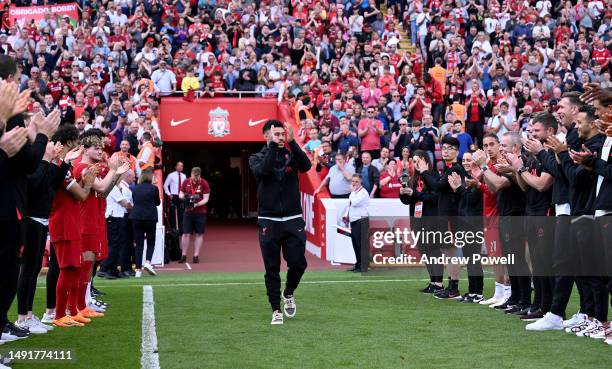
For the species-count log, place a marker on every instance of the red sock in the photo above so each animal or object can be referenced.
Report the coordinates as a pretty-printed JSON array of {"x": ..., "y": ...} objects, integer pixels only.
[
  {"x": 67, "y": 277},
  {"x": 84, "y": 280}
]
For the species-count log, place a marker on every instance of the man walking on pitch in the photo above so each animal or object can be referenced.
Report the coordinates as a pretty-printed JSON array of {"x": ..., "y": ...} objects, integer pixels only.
[{"x": 280, "y": 213}]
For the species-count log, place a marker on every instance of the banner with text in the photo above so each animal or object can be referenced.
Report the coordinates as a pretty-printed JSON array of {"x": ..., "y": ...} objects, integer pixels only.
[{"x": 24, "y": 15}]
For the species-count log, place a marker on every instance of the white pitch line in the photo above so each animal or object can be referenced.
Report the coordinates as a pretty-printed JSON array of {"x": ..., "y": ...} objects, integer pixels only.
[
  {"x": 213, "y": 284},
  {"x": 150, "y": 355},
  {"x": 188, "y": 266}
]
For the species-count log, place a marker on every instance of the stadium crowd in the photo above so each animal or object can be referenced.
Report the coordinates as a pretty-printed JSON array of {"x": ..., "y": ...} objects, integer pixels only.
[{"x": 499, "y": 76}]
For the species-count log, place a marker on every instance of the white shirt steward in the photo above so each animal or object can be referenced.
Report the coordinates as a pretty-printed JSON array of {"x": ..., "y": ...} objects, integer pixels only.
[
  {"x": 281, "y": 227},
  {"x": 359, "y": 202},
  {"x": 117, "y": 230}
]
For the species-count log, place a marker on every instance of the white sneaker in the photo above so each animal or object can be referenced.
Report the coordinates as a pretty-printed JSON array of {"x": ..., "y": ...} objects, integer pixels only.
[
  {"x": 40, "y": 324},
  {"x": 7, "y": 337},
  {"x": 580, "y": 325},
  {"x": 592, "y": 327},
  {"x": 608, "y": 341},
  {"x": 289, "y": 307},
  {"x": 2, "y": 366},
  {"x": 277, "y": 318},
  {"x": 48, "y": 318},
  {"x": 96, "y": 308},
  {"x": 602, "y": 332},
  {"x": 149, "y": 268},
  {"x": 138, "y": 274},
  {"x": 549, "y": 322},
  {"x": 501, "y": 302},
  {"x": 491, "y": 301},
  {"x": 31, "y": 325},
  {"x": 574, "y": 320}
]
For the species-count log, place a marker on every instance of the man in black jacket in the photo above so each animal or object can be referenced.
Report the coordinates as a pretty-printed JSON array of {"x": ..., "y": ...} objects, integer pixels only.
[
  {"x": 590, "y": 251},
  {"x": 17, "y": 160},
  {"x": 280, "y": 213},
  {"x": 448, "y": 205}
]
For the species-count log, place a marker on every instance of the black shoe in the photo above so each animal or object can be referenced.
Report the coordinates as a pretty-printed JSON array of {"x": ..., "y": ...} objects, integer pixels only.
[
  {"x": 96, "y": 292},
  {"x": 515, "y": 308},
  {"x": 196, "y": 260},
  {"x": 466, "y": 297},
  {"x": 503, "y": 306},
  {"x": 431, "y": 288},
  {"x": 126, "y": 274},
  {"x": 18, "y": 332},
  {"x": 533, "y": 316},
  {"x": 118, "y": 275},
  {"x": 183, "y": 259},
  {"x": 352, "y": 269},
  {"x": 106, "y": 275},
  {"x": 447, "y": 294},
  {"x": 132, "y": 272},
  {"x": 522, "y": 312}
]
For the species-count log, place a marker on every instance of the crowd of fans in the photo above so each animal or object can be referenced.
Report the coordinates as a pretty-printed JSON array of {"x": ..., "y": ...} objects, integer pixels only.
[{"x": 364, "y": 104}]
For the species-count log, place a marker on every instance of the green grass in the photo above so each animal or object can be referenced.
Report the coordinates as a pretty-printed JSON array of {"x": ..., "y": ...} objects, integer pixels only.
[{"x": 380, "y": 323}]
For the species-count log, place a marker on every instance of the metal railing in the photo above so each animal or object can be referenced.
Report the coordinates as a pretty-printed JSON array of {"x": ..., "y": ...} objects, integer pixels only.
[{"x": 225, "y": 93}]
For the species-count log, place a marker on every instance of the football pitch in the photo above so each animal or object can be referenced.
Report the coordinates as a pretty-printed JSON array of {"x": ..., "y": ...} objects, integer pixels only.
[{"x": 344, "y": 320}]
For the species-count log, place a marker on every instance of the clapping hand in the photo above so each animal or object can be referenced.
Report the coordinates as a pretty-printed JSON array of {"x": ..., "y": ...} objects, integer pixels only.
[
  {"x": 579, "y": 157},
  {"x": 556, "y": 145},
  {"x": 12, "y": 141},
  {"x": 454, "y": 180}
]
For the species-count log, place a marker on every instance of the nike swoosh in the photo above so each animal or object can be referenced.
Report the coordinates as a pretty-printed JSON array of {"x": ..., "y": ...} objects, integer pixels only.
[
  {"x": 254, "y": 123},
  {"x": 179, "y": 122},
  {"x": 300, "y": 230}
]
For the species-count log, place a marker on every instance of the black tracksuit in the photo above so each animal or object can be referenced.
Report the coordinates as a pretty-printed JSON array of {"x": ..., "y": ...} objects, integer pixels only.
[
  {"x": 590, "y": 249},
  {"x": 603, "y": 201},
  {"x": 448, "y": 201},
  {"x": 427, "y": 221},
  {"x": 276, "y": 171},
  {"x": 470, "y": 220},
  {"x": 539, "y": 228},
  {"x": 13, "y": 187},
  {"x": 41, "y": 191},
  {"x": 511, "y": 209}
]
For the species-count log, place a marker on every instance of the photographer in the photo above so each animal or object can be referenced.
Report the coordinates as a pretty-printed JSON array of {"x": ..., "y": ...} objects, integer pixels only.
[
  {"x": 423, "y": 201},
  {"x": 195, "y": 192}
]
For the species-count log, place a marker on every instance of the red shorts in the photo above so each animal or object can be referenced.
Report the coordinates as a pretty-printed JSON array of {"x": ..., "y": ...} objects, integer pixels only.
[
  {"x": 91, "y": 242},
  {"x": 491, "y": 233},
  {"x": 103, "y": 254},
  {"x": 69, "y": 253}
]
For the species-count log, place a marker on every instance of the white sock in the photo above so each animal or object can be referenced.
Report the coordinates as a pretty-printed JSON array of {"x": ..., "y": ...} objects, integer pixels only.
[
  {"x": 507, "y": 292},
  {"x": 88, "y": 294},
  {"x": 499, "y": 290}
]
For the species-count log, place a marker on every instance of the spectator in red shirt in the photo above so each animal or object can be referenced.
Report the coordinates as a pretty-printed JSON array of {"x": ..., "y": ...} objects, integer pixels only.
[
  {"x": 418, "y": 103},
  {"x": 369, "y": 131},
  {"x": 389, "y": 181},
  {"x": 196, "y": 193}
]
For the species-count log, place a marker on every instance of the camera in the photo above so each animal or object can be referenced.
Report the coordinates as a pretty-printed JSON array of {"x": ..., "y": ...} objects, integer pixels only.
[
  {"x": 404, "y": 178},
  {"x": 191, "y": 200}
]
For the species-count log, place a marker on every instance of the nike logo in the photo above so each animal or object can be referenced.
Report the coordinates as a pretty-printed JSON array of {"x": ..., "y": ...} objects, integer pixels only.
[
  {"x": 300, "y": 230},
  {"x": 178, "y": 122},
  {"x": 254, "y": 123}
]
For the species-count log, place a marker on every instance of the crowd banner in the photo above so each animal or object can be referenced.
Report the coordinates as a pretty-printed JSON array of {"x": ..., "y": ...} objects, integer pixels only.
[{"x": 25, "y": 14}]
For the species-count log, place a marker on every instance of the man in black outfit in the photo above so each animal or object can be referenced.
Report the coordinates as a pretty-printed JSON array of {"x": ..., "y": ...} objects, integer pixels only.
[
  {"x": 583, "y": 183},
  {"x": 281, "y": 226},
  {"x": 533, "y": 177},
  {"x": 448, "y": 205},
  {"x": 17, "y": 160},
  {"x": 564, "y": 254}
]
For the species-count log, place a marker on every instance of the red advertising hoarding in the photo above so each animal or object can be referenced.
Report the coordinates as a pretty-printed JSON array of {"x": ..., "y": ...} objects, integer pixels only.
[
  {"x": 24, "y": 14},
  {"x": 215, "y": 120}
]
